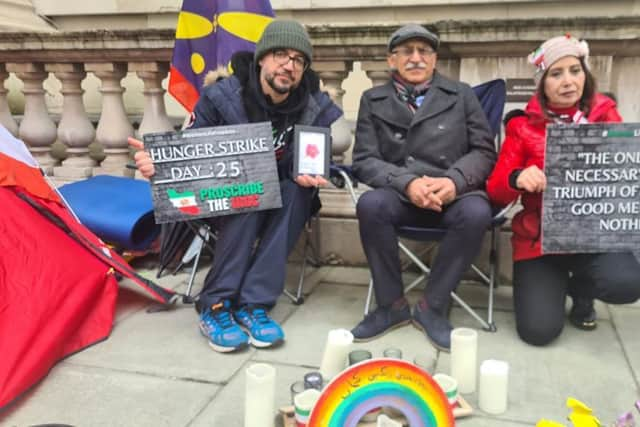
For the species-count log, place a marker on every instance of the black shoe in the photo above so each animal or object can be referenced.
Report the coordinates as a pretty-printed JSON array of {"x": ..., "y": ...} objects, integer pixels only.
[
  {"x": 435, "y": 325},
  {"x": 382, "y": 320},
  {"x": 582, "y": 314}
]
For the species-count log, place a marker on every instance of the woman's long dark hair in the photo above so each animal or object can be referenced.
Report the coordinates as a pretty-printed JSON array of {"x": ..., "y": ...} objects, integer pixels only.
[{"x": 588, "y": 92}]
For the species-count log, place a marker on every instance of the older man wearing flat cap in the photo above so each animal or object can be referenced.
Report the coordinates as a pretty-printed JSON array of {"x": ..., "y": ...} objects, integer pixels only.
[{"x": 424, "y": 145}]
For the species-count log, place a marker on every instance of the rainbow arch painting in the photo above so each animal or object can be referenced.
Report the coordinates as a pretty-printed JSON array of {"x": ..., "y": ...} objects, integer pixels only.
[{"x": 382, "y": 382}]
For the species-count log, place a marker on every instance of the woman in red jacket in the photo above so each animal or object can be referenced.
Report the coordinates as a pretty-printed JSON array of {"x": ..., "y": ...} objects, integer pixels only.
[{"x": 566, "y": 93}]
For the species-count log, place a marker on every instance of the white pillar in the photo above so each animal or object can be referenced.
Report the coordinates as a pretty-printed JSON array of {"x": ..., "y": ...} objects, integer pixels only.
[
  {"x": 113, "y": 127},
  {"x": 75, "y": 130},
  {"x": 36, "y": 129},
  {"x": 155, "y": 117},
  {"x": 377, "y": 71},
  {"x": 332, "y": 75},
  {"x": 6, "y": 119}
]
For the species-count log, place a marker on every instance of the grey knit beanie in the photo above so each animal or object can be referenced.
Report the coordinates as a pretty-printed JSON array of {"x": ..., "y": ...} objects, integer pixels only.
[
  {"x": 282, "y": 34},
  {"x": 412, "y": 31}
]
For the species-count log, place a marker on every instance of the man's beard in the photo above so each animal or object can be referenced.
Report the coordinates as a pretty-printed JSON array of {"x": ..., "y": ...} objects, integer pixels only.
[{"x": 282, "y": 90}]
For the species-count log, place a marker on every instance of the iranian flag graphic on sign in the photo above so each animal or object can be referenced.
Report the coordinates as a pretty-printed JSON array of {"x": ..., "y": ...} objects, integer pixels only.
[{"x": 185, "y": 201}]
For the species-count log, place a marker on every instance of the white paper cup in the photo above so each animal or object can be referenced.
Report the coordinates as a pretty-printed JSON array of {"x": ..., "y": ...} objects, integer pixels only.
[{"x": 449, "y": 386}]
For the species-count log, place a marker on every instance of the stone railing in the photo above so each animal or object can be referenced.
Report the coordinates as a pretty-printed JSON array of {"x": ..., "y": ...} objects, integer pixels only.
[
  {"x": 72, "y": 144},
  {"x": 109, "y": 56},
  {"x": 471, "y": 51}
]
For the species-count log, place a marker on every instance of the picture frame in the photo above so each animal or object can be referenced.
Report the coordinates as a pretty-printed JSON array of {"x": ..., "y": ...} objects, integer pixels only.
[{"x": 311, "y": 150}]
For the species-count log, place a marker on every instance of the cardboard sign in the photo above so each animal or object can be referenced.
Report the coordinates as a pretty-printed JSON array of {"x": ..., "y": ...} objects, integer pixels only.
[
  {"x": 312, "y": 151},
  {"x": 207, "y": 172},
  {"x": 592, "y": 200}
]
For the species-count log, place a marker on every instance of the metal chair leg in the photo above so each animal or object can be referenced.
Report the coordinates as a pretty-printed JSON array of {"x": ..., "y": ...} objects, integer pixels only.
[{"x": 367, "y": 304}]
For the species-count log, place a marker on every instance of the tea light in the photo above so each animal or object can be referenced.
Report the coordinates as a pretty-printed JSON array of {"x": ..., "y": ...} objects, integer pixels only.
[
  {"x": 494, "y": 384},
  {"x": 336, "y": 349},
  {"x": 260, "y": 390},
  {"x": 464, "y": 353}
]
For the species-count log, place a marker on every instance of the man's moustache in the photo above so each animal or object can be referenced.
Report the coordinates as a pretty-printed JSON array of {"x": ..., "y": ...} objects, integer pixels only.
[{"x": 412, "y": 65}]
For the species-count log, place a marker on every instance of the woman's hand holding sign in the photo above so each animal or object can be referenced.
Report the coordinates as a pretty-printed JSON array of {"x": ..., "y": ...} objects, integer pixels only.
[
  {"x": 142, "y": 158},
  {"x": 532, "y": 180}
]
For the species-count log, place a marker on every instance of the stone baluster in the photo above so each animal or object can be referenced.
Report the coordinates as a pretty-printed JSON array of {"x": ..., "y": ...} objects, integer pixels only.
[
  {"x": 155, "y": 117},
  {"x": 113, "y": 127},
  {"x": 75, "y": 130},
  {"x": 333, "y": 74},
  {"x": 36, "y": 129},
  {"x": 6, "y": 119},
  {"x": 377, "y": 71}
]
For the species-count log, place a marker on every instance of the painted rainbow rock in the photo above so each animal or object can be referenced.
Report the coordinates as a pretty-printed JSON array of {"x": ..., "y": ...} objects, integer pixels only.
[{"x": 382, "y": 382}]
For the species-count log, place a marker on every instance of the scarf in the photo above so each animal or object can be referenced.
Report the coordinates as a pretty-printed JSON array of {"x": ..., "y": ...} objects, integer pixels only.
[
  {"x": 567, "y": 115},
  {"x": 411, "y": 95}
]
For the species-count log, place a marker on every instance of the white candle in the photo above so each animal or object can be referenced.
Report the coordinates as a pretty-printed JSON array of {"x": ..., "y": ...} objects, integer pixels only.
[
  {"x": 494, "y": 384},
  {"x": 464, "y": 353},
  {"x": 260, "y": 391},
  {"x": 334, "y": 359},
  {"x": 385, "y": 421}
]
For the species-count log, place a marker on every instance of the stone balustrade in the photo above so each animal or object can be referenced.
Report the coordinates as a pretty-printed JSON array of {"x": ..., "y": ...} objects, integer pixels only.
[
  {"x": 72, "y": 143},
  {"x": 70, "y": 58}
]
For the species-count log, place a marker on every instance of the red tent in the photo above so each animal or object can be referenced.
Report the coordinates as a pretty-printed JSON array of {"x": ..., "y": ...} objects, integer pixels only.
[{"x": 58, "y": 284}]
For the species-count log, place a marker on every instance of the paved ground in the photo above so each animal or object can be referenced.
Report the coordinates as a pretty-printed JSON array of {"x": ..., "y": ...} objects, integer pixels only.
[{"x": 156, "y": 369}]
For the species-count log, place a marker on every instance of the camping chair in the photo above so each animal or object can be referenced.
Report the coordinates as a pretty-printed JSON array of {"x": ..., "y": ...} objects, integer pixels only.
[
  {"x": 492, "y": 98},
  {"x": 201, "y": 235},
  {"x": 309, "y": 252}
]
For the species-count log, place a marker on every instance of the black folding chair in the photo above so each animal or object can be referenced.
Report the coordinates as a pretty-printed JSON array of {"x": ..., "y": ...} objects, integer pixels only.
[{"x": 492, "y": 98}]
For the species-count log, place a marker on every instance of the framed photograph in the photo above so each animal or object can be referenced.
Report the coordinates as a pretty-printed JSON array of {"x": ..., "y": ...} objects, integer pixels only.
[{"x": 312, "y": 150}]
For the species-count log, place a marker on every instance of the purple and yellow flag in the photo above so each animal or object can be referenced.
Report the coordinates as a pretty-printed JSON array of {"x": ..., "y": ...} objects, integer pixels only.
[{"x": 207, "y": 34}]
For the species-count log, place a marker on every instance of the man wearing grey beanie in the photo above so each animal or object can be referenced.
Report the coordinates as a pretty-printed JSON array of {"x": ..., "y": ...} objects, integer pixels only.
[
  {"x": 424, "y": 145},
  {"x": 272, "y": 84}
]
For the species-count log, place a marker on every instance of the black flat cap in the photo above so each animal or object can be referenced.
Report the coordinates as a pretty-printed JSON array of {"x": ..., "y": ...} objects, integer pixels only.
[{"x": 413, "y": 31}]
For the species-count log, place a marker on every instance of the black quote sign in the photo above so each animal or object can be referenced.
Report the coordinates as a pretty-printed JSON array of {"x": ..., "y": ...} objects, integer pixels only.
[
  {"x": 592, "y": 200},
  {"x": 206, "y": 172}
]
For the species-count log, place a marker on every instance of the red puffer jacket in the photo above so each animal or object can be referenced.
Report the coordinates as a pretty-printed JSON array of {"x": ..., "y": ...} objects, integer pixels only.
[{"x": 524, "y": 145}]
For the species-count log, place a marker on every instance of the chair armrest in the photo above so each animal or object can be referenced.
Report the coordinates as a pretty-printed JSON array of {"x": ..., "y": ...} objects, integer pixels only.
[{"x": 342, "y": 176}]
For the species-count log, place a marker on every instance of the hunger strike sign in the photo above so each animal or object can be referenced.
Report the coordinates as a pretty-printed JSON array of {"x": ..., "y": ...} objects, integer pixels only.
[
  {"x": 592, "y": 200},
  {"x": 213, "y": 171}
]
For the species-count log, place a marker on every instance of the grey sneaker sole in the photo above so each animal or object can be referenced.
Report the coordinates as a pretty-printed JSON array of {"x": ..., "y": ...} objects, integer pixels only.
[
  {"x": 221, "y": 349},
  {"x": 386, "y": 331},
  {"x": 265, "y": 344},
  {"x": 419, "y": 327}
]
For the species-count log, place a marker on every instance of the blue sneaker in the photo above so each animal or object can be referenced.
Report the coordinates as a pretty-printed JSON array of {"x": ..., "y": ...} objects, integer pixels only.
[
  {"x": 220, "y": 328},
  {"x": 263, "y": 330}
]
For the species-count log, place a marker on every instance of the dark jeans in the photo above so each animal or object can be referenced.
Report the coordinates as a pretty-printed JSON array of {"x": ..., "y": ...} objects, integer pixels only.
[
  {"x": 247, "y": 273},
  {"x": 381, "y": 210},
  {"x": 540, "y": 286}
]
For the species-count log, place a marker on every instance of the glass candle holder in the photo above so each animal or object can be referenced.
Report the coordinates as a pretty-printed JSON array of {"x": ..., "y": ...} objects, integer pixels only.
[
  {"x": 392, "y": 352},
  {"x": 357, "y": 356},
  {"x": 313, "y": 380},
  {"x": 425, "y": 361},
  {"x": 296, "y": 388}
]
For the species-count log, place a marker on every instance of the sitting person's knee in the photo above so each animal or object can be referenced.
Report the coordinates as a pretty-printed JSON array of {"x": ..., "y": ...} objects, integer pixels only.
[
  {"x": 476, "y": 212},
  {"x": 370, "y": 204},
  {"x": 538, "y": 333},
  {"x": 622, "y": 287}
]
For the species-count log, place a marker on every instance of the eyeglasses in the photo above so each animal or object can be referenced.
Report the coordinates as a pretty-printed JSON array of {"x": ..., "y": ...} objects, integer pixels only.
[
  {"x": 407, "y": 52},
  {"x": 282, "y": 57}
]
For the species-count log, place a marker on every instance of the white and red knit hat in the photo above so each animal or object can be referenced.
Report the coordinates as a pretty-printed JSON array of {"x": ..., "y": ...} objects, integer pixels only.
[{"x": 555, "y": 49}]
